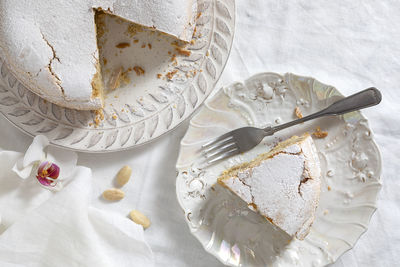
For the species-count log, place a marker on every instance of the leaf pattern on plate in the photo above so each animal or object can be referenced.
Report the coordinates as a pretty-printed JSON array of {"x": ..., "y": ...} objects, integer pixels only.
[
  {"x": 31, "y": 97},
  {"x": 180, "y": 106},
  {"x": 125, "y": 134},
  {"x": 43, "y": 106},
  {"x": 8, "y": 101},
  {"x": 47, "y": 128},
  {"x": 152, "y": 125},
  {"x": 64, "y": 133},
  {"x": 216, "y": 54},
  {"x": 192, "y": 96},
  {"x": 139, "y": 131},
  {"x": 111, "y": 138},
  {"x": 220, "y": 41},
  {"x": 211, "y": 68},
  {"x": 3, "y": 89},
  {"x": 223, "y": 10},
  {"x": 19, "y": 112},
  {"x": 70, "y": 115},
  {"x": 201, "y": 82},
  {"x": 95, "y": 138},
  {"x": 221, "y": 25},
  {"x": 34, "y": 120},
  {"x": 11, "y": 80},
  {"x": 168, "y": 117},
  {"x": 56, "y": 110},
  {"x": 21, "y": 90}
]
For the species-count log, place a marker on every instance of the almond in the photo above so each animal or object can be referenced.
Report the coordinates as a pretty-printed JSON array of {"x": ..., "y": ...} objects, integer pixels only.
[
  {"x": 140, "y": 218},
  {"x": 113, "y": 194},
  {"x": 124, "y": 175}
]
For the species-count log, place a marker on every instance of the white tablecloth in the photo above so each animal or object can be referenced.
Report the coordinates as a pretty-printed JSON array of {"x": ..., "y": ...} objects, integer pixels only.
[{"x": 349, "y": 44}]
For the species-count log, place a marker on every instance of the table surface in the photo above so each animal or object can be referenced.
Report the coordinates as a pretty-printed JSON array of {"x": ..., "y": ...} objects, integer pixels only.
[{"x": 351, "y": 45}]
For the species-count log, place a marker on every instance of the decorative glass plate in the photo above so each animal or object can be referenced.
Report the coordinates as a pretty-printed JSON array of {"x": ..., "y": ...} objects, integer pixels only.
[
  {"x": 143, "y": 109},
  {"x": 350, "y": 164}
]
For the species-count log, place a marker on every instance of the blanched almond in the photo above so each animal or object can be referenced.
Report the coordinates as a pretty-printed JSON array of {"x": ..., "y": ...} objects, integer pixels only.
[
  {"x": 140, "y": 218},
  {"x": 113, "y": 194},
  {"x": 124, "y": 175}
]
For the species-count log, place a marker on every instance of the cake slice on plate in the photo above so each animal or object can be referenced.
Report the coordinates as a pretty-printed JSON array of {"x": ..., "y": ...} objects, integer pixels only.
[{"x": 283, "y": 185}]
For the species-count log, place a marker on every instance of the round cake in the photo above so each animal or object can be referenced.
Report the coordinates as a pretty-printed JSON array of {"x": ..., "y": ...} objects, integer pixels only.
[{"x": 51, "y": 46}]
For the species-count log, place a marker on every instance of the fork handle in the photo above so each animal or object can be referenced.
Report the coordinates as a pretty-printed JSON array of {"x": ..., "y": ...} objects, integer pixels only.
[{"x": 366, "y": 98}]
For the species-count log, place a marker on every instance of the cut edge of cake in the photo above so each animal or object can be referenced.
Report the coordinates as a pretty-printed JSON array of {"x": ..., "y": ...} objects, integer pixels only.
[
  {"x": 51, "y": 91},
  {"x": 312, "y": 174}
]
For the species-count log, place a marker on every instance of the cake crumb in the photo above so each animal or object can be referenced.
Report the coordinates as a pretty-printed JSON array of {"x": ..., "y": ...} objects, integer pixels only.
[
  {"x": 320, "y": 134},
  {"x": 182, "y": 51},
  {"x": 133, "y": 29},
  {"x": 149, "y": 45},
  {"x": 178, "y": 44},
  {"x": 198, "y": 15},
  {"x": 173, "y": 58},
  {"x": 159, "y": 75},
  {"x": 99, "y": 117},
  {"x": 115, "y": 79},
  {"x": 326, "y": 212},
  {"x": 298, "y": 113},
  {"x": 114, "y": 116},
  {"x": 171, "y": 74},
  {"x": 143, "y": 45},
  {"x": 104, "y": 61},
  {"x": 192, "y": 42},
  {"x": 123, "y": 45},
  {"x": 329, "y": 188},
  {"x": 139, "y": 71},
  {"x": 194, "y": 31},
  {"x": 136, "y": 41}
]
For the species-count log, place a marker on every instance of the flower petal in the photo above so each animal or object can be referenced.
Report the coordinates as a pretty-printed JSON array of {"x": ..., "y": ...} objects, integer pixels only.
[
  {"x": 65, "y": 159},
  {"x": 21, "y": 171},
  {"x": 35, "y": 150}
]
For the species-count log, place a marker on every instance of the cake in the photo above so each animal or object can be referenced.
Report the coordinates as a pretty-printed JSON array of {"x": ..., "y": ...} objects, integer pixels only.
[
  {"x": 51, "y": 46},
  {"x": 283, "y": 185}
]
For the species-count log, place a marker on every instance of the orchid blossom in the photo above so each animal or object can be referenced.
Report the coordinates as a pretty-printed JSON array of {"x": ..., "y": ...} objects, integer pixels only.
[{"x": 50, "y": 165}]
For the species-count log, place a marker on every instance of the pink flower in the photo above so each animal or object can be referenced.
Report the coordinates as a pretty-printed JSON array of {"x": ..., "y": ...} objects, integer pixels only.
[{"x": 48, "y": 173}]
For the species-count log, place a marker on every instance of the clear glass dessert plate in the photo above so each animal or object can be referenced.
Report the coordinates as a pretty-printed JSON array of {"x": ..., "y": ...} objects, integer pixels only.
[
  {"x": 143, "y": 108},
  {"x": 350, "y": 165}
]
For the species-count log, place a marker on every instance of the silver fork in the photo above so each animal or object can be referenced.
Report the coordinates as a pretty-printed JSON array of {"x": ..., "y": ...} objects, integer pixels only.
[{"x": 244, "y": 139}]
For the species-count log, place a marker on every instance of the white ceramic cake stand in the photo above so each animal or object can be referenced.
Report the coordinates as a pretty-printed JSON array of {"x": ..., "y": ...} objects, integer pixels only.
[{"x": 145, "y": 108}]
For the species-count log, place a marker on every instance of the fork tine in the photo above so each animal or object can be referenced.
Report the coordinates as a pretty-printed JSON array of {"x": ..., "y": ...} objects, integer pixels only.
[
  {"x": 218, "y": 144},
  {"x": 224, "y": 155},
  {"x": 216, "y": 140},
  {"x": 220, "y": 149}
]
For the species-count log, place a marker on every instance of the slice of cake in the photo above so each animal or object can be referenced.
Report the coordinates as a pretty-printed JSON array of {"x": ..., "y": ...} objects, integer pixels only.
[
  {"x": 51, "y": 46},
  {"x": 283, "y": 185}
]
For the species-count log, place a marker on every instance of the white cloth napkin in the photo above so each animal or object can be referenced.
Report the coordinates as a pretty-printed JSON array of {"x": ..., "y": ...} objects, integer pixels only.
[{"x": 40, "y": 227}]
